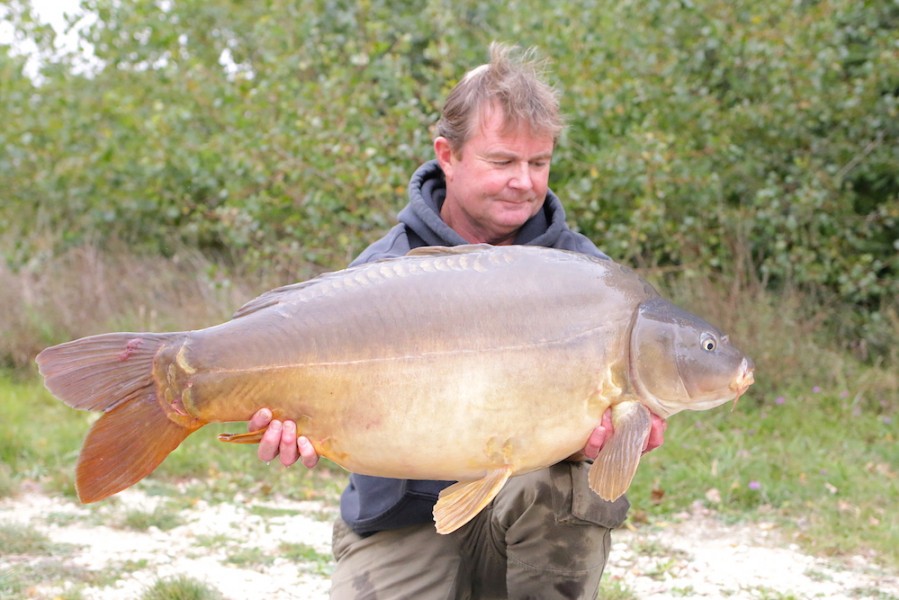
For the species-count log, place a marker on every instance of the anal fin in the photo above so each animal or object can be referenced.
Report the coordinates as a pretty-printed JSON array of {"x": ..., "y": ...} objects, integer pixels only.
[
  {"x": 461, "y": 502},
  {"x": 249, "y": 437},
  {"x": 614, "y": 468}
]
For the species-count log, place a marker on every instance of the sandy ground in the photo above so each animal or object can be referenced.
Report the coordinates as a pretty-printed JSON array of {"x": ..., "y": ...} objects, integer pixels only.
[{"x": 695, "y": 556}]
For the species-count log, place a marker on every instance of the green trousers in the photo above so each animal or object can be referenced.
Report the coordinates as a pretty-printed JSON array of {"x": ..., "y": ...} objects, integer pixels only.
[{"x": 545, "y": 536}]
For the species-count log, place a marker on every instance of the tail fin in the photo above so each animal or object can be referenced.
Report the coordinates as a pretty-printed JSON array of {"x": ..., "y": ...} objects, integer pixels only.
[
  {"x": 102, "y": 371},
  {"x": 113, "y": 373}
]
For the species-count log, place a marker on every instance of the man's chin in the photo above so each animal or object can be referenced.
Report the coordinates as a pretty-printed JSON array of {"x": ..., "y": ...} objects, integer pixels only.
[
  {"x": 515, "y": 208},
  {"x": 514, "y": 218}
]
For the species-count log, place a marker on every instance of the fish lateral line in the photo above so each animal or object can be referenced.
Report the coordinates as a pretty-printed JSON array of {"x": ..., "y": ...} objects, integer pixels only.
[{"x": 400, "y": 358}]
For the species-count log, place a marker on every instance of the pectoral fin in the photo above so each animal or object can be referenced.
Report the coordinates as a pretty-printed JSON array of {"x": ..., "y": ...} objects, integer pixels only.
[
  {"x": 614, "y": 468},
  {"x": 460, "y": 502}
]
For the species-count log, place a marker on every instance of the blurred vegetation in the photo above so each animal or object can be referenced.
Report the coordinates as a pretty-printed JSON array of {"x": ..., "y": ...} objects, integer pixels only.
[
  {"x": 755, "y": 142},
  {"x": 744, "y": 155}
]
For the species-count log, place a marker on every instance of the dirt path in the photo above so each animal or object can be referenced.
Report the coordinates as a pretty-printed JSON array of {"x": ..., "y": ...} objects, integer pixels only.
[{"x": 275, "y": 551}]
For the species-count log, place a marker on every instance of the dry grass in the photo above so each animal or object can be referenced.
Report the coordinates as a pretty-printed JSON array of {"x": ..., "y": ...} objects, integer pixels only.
[{"x": 88, "y": 291}]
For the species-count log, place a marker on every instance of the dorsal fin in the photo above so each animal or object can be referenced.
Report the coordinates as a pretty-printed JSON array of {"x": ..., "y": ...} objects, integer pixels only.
[
  {"x": 277, "y": 295},
  {"x": 273, "y": 297},
  {"x": 444, "y": 250}
]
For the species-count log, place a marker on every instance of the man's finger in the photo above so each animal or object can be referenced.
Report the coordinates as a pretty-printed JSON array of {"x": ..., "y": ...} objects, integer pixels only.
[
  {"x": 260, "y": 420},
  {"x": 595, "y": 441},
  {"x": 607, "y": 420},
  {"x": 287, "y": 450},
  {"x": 599, "y": 435},
  {"x": 307, "y": 452},
  {"x": 656, "y": 433},
  {"x": 270, "y": 442}
]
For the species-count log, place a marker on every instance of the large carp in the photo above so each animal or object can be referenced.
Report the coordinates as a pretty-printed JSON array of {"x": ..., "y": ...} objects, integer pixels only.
[{"x": 469, "y": 364}]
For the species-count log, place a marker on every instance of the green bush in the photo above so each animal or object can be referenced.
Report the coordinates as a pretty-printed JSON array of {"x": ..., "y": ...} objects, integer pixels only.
[{"x": 754, "y": 140}]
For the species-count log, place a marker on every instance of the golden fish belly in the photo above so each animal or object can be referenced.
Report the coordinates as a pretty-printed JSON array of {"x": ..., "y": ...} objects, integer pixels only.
[{"x": 431, "y": 416}]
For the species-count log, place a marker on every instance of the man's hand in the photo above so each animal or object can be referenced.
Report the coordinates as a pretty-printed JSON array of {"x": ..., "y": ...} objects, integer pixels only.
[
  {"x": 605, "y": 430},
  {"x": 280, "y": 439},
  {"x": 656, "y": 433}
]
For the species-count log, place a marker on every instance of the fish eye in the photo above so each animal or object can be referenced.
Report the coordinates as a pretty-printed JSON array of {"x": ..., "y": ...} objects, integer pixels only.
[{"x": 708, "y": 342}]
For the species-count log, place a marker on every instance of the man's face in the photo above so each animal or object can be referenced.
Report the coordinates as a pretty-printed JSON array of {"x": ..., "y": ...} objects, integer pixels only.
[{"x": 497, "y": 182}]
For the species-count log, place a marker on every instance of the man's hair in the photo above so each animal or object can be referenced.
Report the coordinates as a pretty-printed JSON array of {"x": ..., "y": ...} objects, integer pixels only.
[{"x": 513, "y": 82}]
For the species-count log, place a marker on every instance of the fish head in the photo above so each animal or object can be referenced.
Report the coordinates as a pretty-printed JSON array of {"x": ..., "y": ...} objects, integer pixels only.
[{"x": 679, "y": 362}]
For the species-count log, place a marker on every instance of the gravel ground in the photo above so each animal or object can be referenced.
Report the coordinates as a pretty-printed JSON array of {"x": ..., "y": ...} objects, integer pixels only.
[{"x": 236, "y": 548}]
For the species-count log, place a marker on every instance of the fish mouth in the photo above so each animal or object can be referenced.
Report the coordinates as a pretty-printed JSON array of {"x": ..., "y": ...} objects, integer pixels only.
[{"x": 744, "y": 379}]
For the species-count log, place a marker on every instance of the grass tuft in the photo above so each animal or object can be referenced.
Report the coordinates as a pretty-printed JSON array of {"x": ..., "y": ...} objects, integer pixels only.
[
  {"x": 612, "y": 589},
  {"x": 162, "y": 518},
  {"x": 305, "y": 554},
  {"x": 181, "y": 588},
  {"x": 23, "y": 539}
]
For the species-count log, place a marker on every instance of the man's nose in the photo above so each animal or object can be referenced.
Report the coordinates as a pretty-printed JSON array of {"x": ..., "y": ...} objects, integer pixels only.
[{"x": 522, "y": 178}]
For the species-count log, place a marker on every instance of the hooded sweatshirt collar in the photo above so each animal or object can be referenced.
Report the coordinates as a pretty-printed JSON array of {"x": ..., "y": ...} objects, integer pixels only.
[{"x": 427, "y": 191}]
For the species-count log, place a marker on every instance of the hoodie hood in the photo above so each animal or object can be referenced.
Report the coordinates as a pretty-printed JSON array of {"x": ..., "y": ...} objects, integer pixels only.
[{"x": 427, "y": 191}]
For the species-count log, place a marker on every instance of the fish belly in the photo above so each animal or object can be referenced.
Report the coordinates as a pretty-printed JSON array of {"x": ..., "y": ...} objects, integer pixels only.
[{"x": 426, "y": 416}]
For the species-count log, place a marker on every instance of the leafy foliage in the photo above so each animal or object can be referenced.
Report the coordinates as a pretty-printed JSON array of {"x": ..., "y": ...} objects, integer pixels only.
[{"x": 757, "y": 140}]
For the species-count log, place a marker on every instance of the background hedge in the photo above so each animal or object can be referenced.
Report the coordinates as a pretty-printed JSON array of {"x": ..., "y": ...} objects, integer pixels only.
[{"x": 742, "y": 139}]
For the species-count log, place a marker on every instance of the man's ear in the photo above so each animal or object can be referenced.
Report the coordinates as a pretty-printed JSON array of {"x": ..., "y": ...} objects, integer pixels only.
[{"x": 444, "y": 154}]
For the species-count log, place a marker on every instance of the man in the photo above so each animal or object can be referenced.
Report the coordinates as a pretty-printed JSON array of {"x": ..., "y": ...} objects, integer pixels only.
[{"x": 546, "y": 535}]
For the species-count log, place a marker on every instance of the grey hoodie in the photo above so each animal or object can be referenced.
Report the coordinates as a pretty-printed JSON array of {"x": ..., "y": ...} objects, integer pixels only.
[{"x": 371, "y": 504}]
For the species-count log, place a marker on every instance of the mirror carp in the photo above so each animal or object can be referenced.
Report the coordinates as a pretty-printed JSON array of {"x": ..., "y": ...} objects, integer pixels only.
[{"x": 469, "y": 364}]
